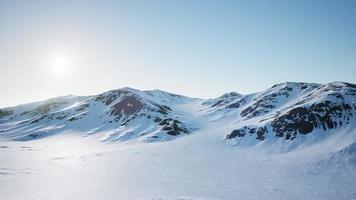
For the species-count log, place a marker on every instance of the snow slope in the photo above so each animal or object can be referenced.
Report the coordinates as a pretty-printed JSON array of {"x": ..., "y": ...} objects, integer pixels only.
[{"x": 135, "y": 157}]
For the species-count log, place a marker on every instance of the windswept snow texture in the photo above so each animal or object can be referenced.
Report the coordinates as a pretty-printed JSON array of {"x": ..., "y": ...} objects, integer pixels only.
[{"x": 292, "y": 141}]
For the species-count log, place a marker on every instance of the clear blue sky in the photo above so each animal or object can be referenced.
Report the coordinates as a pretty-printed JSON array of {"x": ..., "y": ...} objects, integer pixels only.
[{"x": 197, "y": 48}]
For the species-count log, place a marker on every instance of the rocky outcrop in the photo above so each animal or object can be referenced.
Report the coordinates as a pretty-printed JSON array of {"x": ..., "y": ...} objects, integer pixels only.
[
  {"x": 172, "y": 126},
  {"x": 323, "y": 107},
  {"x": 129, "y": 105}
]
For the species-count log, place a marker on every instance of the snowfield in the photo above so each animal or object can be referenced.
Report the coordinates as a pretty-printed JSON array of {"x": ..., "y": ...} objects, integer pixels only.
[{"x": 91, "y": 158}]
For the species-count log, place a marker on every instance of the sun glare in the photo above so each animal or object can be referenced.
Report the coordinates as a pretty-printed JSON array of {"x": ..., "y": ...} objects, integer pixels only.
[{"x": 59, "y": 65}]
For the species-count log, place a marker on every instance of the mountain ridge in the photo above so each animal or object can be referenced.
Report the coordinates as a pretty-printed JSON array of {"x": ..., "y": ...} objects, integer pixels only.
[{"x": 284, "y": 110}]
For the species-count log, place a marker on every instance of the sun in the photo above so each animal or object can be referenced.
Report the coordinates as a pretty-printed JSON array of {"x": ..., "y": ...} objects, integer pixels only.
[{"x": 59, "y": 65}]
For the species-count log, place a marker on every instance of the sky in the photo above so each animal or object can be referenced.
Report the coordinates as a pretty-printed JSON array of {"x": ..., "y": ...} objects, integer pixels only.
[{"x": 199, "y": 48}]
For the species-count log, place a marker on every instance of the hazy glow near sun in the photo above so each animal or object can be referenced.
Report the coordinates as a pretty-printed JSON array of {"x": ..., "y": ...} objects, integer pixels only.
[{"x": 59, "y": 65}]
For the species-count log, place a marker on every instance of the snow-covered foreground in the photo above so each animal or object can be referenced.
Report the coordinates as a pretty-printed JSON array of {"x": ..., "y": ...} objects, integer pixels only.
[{"x": 193, "y": 167}]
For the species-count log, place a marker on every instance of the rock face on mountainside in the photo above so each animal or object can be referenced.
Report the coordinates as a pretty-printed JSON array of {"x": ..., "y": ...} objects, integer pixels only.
[
  {"x": 285, "y": 110},
  {"x": 290, "y": 109}
]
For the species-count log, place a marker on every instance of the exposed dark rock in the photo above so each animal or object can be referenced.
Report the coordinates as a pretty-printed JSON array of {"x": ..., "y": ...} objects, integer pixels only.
[
  {"x": 163, "y": 109},
  {"x": 128, "y": 106},
  {"x": 238, "y": 103},
  {"x": 261, "y": 106},
  {"x": 61, "y": 117},
  {"x": 236, "y": 133},
  {"x": 72, "y": 119},
  {"x": 34, "y": 135},
  {"x": 109, "y": 97},
  {"x": 25, "y": 112},
  {"x": 252, "y": 130},
  {"x": 82, "y": 107},
  {"x": 39, "y": 119},
  {"x": 112, "y": 97},
  {"x": 165, "y": 122},
  {"x": 230, "y": 94},
  {"x": 298, "y": 119},
  {"x": 173, "y": 126},
  {"x": 261, "y": 133},
  {"x": 157, "y": 119},
  {"x": 234, "y": 105},
  {"x": 241, "y": 132},
  {"x": 4, "y": 113},
  {"x": 217, "y": 103}
]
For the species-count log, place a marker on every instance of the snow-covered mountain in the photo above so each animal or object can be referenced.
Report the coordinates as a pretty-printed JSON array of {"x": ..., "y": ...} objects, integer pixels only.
[
  {"x": 287, "y": 110},
  {"x": 290, "y": 110},
  {"x": 118, "y": 114},
  {"x": 291, "y": 141}
]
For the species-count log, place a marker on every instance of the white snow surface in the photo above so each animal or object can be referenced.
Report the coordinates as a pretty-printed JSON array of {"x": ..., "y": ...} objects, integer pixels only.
[{"x": 92, "y": 159}]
